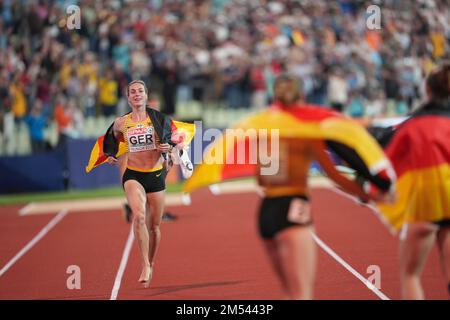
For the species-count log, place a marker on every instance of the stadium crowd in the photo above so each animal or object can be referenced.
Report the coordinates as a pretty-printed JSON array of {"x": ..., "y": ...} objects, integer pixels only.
[{"x": 223, "y": 53}]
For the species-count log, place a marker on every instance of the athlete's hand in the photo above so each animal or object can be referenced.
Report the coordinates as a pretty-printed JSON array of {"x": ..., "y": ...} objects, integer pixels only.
[
  {"x": 163, "y": 147},
  {"x": 112, "y": 160}
]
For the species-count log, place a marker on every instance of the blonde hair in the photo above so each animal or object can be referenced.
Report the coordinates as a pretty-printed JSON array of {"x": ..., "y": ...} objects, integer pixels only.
[{"x": 136, "y": 81}]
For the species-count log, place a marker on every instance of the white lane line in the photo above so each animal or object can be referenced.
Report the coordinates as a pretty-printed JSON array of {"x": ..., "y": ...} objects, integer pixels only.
[
  {"x": 83, "y": 205},
  {"x": 336, "y": 257},
  {"x": 23, "y": 211},
  {"x": 35, "y": 240},
  {"x": 123, "y": 265}
]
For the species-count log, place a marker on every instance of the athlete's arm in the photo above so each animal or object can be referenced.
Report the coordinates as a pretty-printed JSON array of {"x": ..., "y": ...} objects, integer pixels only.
[
  {"x": 347, "y": 184},
  {"x": 117, "y": 128},
  {"x": 122, "y": 163},
  {"x": 117, "y": 132}
]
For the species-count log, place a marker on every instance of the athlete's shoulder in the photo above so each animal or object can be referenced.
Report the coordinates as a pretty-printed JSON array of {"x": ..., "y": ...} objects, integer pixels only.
[
  {"x": 120, "y": 120},
  {"x": 123, "y": 116},
  {"x": 432, "y": 109},
  {"x": 427, "y": 116},
  {"x": 156, "y": 113}
]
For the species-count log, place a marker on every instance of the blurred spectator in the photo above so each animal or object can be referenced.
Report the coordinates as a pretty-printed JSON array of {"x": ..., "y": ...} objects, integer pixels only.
[
  {"x": 121, "y": 53},
  {"x": 318, "y": 93},
  {"x": 88, "y": 91},
  {"x": 391, "y": 89},
  {"x": 438, "y": 42},
  {"x": 108, "y": 94},
  {"x": 5, "y": 100},
  {"x": 74, "y": 129},
  {"x": 9, "y": 128},
  {"x": 43, "y": 91},
  {"x": 225, "y": 52},
  {"x": 18, "y": 101},
  {"x": 153, "y": 101},
  {"x": 36, "y": 124},
  {"x": 376, "y": 106},
  {"x": 169, "y": 73},
  {"x": 233, "y": 77},
  {"x": 63, "y": 120},
  {"x": 337, "y": 90},
  {"x": 258, "y": 85}
]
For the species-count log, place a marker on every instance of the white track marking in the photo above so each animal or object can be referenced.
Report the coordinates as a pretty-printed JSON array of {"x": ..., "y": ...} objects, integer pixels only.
[
  {"x": 335, "y": 256},
  {"x": 29, "y": 207},
  {"x": 35, "y": 240},
  {"x": 123, "y": 265},
  {"x": 83, "y": 205}
]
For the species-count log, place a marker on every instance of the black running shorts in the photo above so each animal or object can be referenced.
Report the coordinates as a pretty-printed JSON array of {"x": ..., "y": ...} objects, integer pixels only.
[
  {"x": 151, "y": 181},
  {"x": 273, "y": 215}
]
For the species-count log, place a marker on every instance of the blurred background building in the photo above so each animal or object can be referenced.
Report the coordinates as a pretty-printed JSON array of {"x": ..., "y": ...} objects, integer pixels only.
[{"x": 209, "y": 59}]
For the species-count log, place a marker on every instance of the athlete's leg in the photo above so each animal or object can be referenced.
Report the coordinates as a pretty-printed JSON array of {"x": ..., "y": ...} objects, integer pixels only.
[
  {"x": 414, "y": 249},
  {"x": 298, "y": 256},
  {"x": 443, "y": 238},
  {"x": 272, "y": 251},
  {"x": 122, "y": 164},
  {"x": 156, "y": 206},
  {"x": 136, "y": 198}
]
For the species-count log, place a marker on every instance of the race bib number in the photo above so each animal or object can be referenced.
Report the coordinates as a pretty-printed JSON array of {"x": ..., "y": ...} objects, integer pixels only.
[
  {"x": 141, "y": 139},
  {"x": 299, "y": 211}
]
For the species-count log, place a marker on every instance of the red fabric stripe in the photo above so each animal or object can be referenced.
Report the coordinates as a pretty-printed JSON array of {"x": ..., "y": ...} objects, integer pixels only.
[
  {"x": 173, "y": 126},
  {"x": 305, "y": 112},
  {"x": 420, "y": 143},
  {"x": 231, "y": 169},
  {"x": 101, "y": 157}
]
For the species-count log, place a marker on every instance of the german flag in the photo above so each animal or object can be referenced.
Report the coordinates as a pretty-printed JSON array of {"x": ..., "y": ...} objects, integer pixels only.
[
  {"x": 419, "y": 150},
  {"x": 349, "y": 140},
  {"x": 181, "y": 133},
  {"x": 98, "y": 156}
]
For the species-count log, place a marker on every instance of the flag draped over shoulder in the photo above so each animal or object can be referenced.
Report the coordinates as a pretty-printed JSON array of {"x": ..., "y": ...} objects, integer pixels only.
[
  {"x": 98, "y": 156},
  {"x": 181, "y": 133},
  {"x": 342, "y": 135},
  {"x": 420, "y": 153}
]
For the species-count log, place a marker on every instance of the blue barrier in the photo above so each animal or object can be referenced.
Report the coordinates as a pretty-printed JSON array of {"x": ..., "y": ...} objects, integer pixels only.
[
  {"x": 40, "y": 172},
  {"x": 78, "y": 153},
  {"x": 55, "y": 170}
]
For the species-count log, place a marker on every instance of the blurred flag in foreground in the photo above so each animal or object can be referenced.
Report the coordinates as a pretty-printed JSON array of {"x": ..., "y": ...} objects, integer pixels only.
[
  {"x": 419, "y": 150},
  {"x": 346, "y": 138}
]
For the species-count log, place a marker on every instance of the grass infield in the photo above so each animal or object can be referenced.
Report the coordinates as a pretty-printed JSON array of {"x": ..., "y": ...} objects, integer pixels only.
[{"x": 22, "y": 198}]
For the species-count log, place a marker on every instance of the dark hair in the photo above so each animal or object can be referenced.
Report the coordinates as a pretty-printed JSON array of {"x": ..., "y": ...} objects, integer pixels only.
[
  {"x": 136, "y": 81},
  {"x": 438, "y": 83}
]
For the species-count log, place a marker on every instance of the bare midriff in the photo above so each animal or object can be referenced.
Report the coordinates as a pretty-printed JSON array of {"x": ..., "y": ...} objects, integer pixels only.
[{"x": 141, "y": 139}]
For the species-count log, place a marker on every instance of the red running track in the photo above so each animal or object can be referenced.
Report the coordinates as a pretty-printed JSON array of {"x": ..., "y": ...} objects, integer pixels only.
[{"x": 211, "y": 252}]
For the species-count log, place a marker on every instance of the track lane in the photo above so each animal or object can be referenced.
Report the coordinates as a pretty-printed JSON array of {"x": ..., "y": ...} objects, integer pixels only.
[
  {"x": 208, "y": 253},
  {"x": 361, "y": 239},
  {"x": 17, "y": 231},
  {"x": 92, "y": 241},
  {"x": 231, "y": 263},
  {"x": 211, "y": 252}
]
